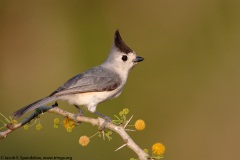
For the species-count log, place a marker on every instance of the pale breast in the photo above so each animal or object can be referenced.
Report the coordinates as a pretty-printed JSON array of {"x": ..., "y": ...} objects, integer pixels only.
[{"x": 91, "y": 99}]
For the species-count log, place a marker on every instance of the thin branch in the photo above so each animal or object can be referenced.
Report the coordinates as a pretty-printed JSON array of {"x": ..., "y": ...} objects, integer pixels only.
[{"x": 95, "y": 122}]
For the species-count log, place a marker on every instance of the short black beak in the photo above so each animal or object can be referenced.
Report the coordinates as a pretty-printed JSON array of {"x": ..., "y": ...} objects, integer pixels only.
[{"x": 138, "y": 59}]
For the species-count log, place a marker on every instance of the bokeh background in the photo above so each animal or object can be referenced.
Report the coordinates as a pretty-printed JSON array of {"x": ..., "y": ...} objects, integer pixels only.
[{"x": 187, "y": 89}]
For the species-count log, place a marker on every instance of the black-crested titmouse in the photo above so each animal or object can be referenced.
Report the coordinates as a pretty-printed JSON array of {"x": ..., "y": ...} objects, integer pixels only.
[{"x": 97, "y": 84}]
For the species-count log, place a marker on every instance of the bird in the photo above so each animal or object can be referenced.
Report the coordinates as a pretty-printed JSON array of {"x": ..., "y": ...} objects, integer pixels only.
[{"x": 96, "y": 85}]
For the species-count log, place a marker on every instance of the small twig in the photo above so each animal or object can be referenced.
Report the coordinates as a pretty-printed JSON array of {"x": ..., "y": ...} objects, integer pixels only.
[{"x": 94, "y": 135}]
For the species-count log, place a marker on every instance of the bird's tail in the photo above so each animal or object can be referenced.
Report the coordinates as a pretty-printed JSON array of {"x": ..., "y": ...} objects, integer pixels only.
[{"x": 33, "y": 106}]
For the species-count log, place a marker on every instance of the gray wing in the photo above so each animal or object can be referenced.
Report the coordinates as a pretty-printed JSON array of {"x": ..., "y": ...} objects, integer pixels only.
[{"x": 97, "y": 79}]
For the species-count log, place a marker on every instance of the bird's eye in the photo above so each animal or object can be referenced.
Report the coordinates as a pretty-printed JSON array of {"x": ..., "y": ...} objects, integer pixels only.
[{"x": 124, "y": 58}]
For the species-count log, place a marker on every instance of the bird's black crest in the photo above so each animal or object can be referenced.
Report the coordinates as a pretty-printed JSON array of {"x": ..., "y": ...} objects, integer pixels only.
[{"x": 120, "y": 44}]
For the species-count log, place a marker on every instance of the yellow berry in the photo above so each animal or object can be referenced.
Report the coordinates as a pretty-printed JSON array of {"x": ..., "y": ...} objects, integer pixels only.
[
  {"x": 84, "y": 140},
  {"x": 121, "y": 113},
  {"x": 158, "y": 149},
  {"x": 67, "y": 123},
  {"x": 38, "y": 127},
  {"x": 69, "y": 129},
  {"x": 125, "y": 111},
  {"x": 56, "y": 121},
  {"x": 140, "y": 125},
  {"x": 26, "y": 127},
  {"x": 55, "y": 125},
  {"x": 14, "y": 121}
]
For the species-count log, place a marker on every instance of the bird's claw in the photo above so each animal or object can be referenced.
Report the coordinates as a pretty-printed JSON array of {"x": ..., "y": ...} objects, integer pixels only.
[
  {"x": 106, "y": 120},
  {"x": 80, "y": 113},
  {"x": 75, "y": 119}
]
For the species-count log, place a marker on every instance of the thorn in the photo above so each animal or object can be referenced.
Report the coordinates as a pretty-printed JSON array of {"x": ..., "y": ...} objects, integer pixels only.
[
  {"x": 128, "y": 122},
  {"x": 131, "y": 130},
  {"x": 121, "y": 147}
]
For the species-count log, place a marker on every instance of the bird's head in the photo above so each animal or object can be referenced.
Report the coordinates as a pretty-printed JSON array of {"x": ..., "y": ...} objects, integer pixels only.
[{"x": 121, "y": 57}]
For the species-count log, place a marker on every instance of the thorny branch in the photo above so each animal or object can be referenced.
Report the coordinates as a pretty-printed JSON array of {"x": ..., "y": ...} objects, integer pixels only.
[{"x": 120, "y": 130}]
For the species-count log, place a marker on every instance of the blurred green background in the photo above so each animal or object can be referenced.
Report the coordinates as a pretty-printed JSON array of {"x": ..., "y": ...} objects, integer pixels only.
[{"x": 187, "y": 89}]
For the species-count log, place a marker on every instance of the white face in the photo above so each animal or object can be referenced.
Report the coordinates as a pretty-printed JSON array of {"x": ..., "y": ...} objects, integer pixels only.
[{"x": 125, "y": 62}]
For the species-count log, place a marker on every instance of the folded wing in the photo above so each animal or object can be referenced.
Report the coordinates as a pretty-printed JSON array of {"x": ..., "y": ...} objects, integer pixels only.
[{"x": 97, "y": 79}]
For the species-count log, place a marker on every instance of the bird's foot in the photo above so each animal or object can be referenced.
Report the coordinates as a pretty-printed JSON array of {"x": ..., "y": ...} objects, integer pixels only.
[
  {"x": 80, "y": 113},
  {"x": 106, "y": 118}
]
